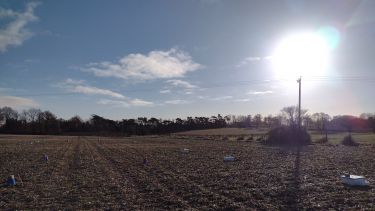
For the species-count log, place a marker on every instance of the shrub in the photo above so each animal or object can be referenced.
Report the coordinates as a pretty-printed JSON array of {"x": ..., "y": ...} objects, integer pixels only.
[
  {"x": 250, "y": 138},
  {"x": 349, "y": 141},
  {"x": 322, "y": 140},
  {"x": 240, "y": 138},
  {"x": 288, "y": 136},
  {"x": 225, "y": 138}
]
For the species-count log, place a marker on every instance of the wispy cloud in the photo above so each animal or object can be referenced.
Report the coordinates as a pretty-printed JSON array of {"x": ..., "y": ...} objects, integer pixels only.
[
  {"x": 115, "y": 103},
  {"x": 73, "y": 81},
  {"x": 139, "y": 102},
  {"x": 252, "y": 59},
  {"x": 165, "y": 91},
  {"x": 187, "y": 87},
  {"x": 79, "y": 86},
  {"x": 242, "y": 100},
  {"x": 13, "y": 101},
  {"x": 227, "y": 97},
  {"x": 201, "y": 97},
  {"x": 125, "y": 103},
  {"x": 248, "y": 60},
  {"x": 260, "y": 92},
  {"x": 90, "y": 90},
  {"x": 181, "y": 83},
  {"x": 15, "y": 32},
  {"x": 218, "y": 98},
  {"x": 176, "y": 102},
  {"x": 172, "y": 63}
]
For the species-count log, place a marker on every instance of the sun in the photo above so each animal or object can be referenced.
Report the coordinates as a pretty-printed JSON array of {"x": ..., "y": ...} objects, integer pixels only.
[{"x": 302, "y": 54}]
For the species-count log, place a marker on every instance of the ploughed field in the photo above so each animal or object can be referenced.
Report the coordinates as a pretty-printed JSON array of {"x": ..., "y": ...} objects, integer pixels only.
[{"x": 108, "y": 173}]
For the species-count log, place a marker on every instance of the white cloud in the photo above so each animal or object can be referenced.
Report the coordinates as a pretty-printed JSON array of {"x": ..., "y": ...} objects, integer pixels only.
[
  {"x": 15, "y": 33},
  {"x": 187, "y": 86},
  {"x": 252, "y": 59},
  {"x": 181, "y": 83},
  {"x": 201, "y": 97},
  {"x": 139, "y": 102},
  {"x": 90, "y": 90},
  {"x": 242, "y": 100},
  {"x": 260, "y": 92},
  {"x": 115, "y": 103},
  {"x": 227, "y": 97},
  {"x": 165, "y": 91},
  {"x": 248, "y": 60},
  {"x": 79, "y": 86},
  {"x": 156, "y": 64},
  {"x": 13, "y": 101},
  {"x": 125, "y": 103},
  {"x": 73, "y": 81},
  {"x": 176, "y": 102}
]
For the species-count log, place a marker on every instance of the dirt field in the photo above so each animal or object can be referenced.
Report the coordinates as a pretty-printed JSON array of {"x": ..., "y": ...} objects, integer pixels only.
[
  {"x": 223, "y": 131},
  {"x": 108, "y": 173}
]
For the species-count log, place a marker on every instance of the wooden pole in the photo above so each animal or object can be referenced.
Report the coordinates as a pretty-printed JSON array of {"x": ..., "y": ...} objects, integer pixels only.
[{"x": 299, "y": 102}]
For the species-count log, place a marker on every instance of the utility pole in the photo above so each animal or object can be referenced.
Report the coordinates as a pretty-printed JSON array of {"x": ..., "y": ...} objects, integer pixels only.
[{"x": 299, "y": 80}]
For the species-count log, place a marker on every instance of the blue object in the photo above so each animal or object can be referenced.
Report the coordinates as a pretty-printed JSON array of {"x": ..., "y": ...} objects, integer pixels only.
[
  {"x": 11, "y": 180},
  {"x": 45, "y": 157}
]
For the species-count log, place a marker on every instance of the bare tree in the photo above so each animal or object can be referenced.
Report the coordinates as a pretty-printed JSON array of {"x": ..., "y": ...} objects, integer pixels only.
[
  {"x": 307, "y": 121},
  {"x": 290, "y": 114},
  {"x": 8, "y": 113},
  {"x": 320, "y": 121},
  {"x": 257, "y": 120},
  {"x": 32, "y": 114}
]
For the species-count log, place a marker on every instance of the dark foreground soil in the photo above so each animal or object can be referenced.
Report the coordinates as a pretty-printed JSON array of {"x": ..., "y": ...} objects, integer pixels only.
[{"x": 106, "y": 173}]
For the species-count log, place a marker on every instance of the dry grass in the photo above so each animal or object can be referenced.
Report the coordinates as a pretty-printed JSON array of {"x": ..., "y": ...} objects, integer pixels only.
[{"x": 336, "y": 138}]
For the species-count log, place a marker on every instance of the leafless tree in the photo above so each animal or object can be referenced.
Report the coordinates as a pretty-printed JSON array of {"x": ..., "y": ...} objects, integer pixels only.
[
  {"x": 320, "y": 121},
  {"x": 290, "y": 114}
]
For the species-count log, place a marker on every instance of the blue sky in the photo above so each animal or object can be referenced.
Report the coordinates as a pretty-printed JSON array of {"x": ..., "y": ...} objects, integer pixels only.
[{"x": 124, "y": 59}]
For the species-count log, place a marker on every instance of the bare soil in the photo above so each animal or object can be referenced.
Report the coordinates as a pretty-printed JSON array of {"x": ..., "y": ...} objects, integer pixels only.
[
  {"x": 108, "y": 173},
  {"x": 224, "y": 131}
]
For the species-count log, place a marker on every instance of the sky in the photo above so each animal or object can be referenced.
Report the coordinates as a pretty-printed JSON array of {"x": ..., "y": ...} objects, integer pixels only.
[{"x": 168, "y": 58}]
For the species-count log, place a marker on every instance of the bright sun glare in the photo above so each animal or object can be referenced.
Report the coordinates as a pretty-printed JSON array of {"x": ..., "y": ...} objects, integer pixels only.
[{"x": 304, "y": 54}]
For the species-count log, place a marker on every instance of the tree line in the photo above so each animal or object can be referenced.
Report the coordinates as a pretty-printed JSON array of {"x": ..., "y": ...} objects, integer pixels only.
[{"x": 36, "y": 121}]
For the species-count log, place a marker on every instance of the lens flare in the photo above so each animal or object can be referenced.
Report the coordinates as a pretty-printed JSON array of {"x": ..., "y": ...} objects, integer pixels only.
[
  {"x": 331, "y": 35},
  {"x": 302, "y": 54}
]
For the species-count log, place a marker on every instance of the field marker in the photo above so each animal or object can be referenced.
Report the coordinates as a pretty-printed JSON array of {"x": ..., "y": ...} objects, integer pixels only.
[
  {"x": 145, "y": 161},
  {"x": 45, "y": 156},
  {"x": 229, "y": 158},
  {"x": 11, "y": 180}
]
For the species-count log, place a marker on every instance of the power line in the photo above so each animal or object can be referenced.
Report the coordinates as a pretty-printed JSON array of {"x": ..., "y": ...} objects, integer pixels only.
[{"x": 230, "y": 84}]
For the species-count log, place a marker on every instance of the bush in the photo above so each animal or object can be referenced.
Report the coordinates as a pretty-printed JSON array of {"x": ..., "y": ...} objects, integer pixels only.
[
  {"x": 322, "y": 140},
  {"x": 349, "y": 141},
  {"x": 240, "y": 138},
  {"x": 225, "y": 138},
  {"x": 288, "y": 136}
]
